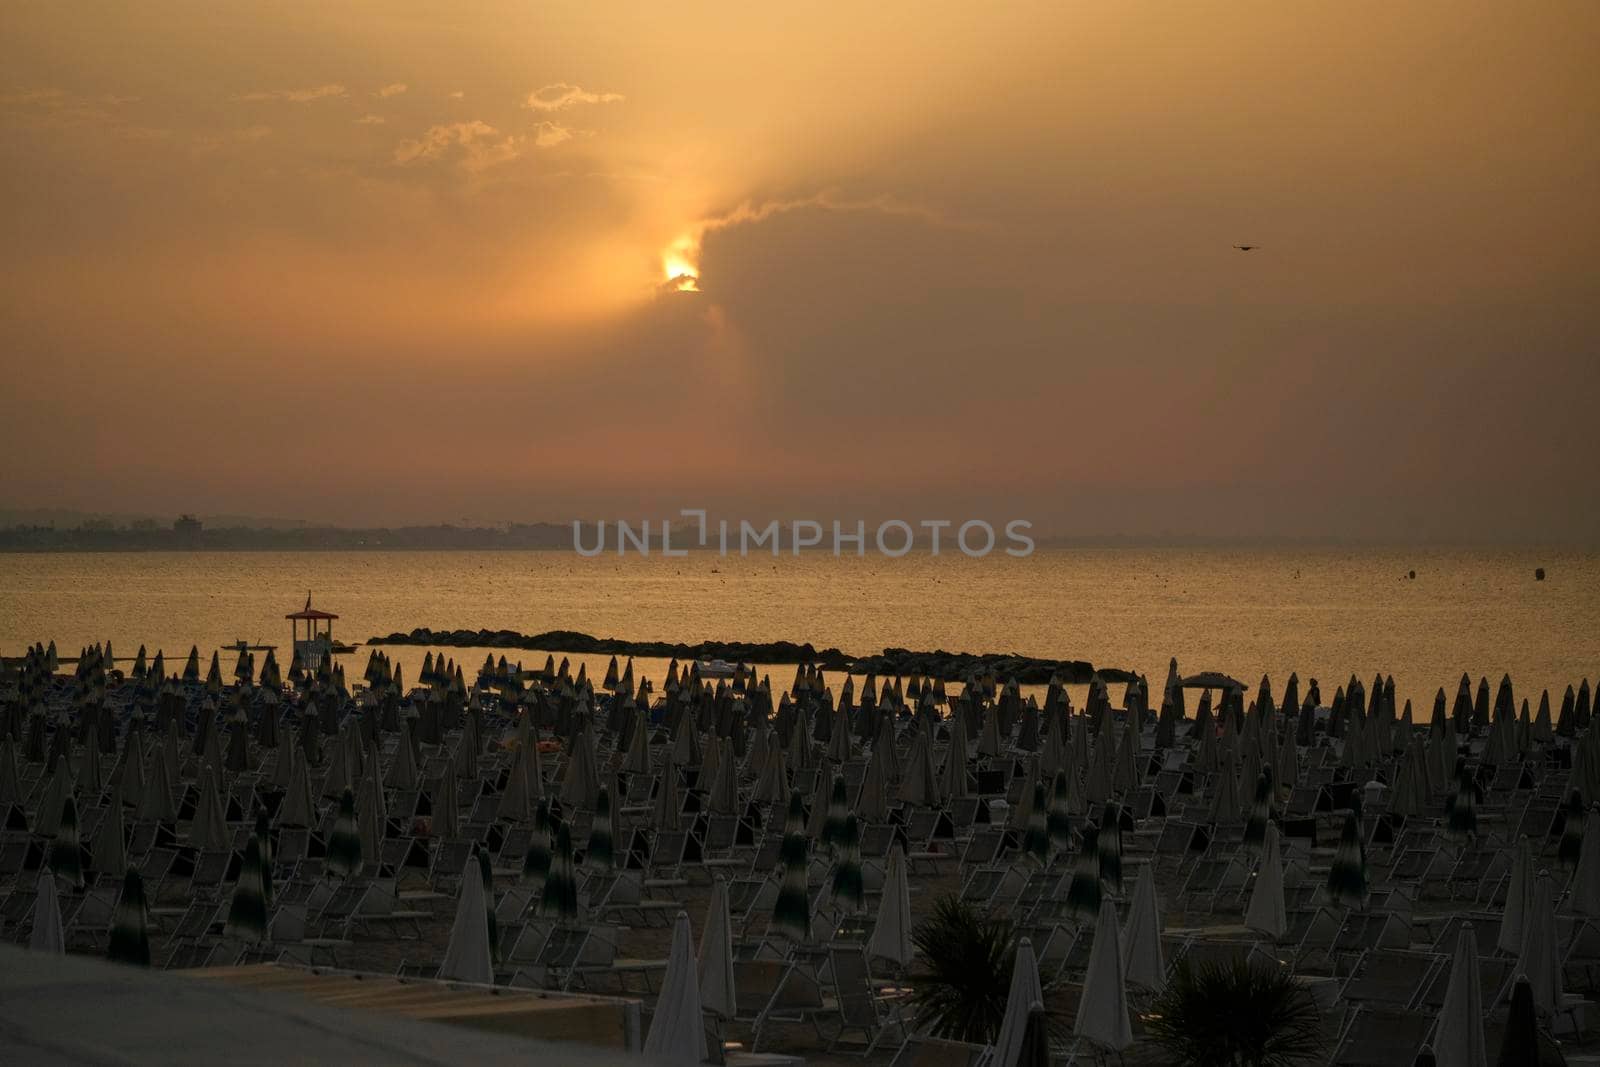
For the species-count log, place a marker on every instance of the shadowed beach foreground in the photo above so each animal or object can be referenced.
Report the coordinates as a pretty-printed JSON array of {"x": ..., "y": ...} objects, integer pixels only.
[{"x": 536, "y": 830}]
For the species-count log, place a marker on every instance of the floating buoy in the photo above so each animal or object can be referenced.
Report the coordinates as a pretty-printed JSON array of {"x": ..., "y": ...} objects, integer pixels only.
[
  {"x": 1411, "y": 575},
  {"x": 1538, "y": 574}
]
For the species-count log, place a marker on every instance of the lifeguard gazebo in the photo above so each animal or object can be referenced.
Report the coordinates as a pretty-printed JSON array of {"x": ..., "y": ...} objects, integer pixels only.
[{"x": 317, "y": 644}]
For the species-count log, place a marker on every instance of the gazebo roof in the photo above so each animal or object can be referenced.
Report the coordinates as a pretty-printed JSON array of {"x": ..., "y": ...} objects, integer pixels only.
[{"x": 309, "y": 612}]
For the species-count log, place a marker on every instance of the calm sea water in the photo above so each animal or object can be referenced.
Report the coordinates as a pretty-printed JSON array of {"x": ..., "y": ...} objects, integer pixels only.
[{"x": 1323, "y": 613}]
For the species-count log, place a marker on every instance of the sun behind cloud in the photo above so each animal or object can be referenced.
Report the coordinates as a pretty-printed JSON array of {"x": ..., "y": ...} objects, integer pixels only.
[{"x": 679, "y": 265}]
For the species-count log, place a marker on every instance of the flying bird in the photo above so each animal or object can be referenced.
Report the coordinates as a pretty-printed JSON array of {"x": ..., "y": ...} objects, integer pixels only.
[{"x": 1247, "y": 248}]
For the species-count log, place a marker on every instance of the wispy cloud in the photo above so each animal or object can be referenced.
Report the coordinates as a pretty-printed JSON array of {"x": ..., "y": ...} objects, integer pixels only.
[
  {"x": 295, "y": 96},
  {"x": 550, "y": 134},
  {"x": 371, "y": 120},
  {"x": 394, "y": 89},
  {"x": 561, "y": 95},
  {"x": 478, "y": 145}
]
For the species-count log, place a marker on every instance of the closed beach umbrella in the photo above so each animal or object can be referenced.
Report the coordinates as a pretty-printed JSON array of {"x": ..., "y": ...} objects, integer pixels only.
[
  {"x": 1103, "y": 1011},
  {"x": 1347, "y": 877},
  {"x": 1142, "y": 961},
  {"x": 1572, "y": 831},
  {"x": 601, "y": 853},
  {"x": 1540, "y": 960},
  {"x": 66, "y": 851},
  {"x": 1462, "y": 818},
  {"x": 467, "y": 958},
  {"x": 344, "y": 844},
  {"x": 1058, "y": 821},
  {"x": 1035, "y": 1050},
  {"x": 209, "y": 830},
  {"x": 247, "y": 910},
  {"x": 263, "y": 836},
  {"x": 891, "y": 934},
  {"x": 1024, "y": 993},
  {"x": 49, "y": 933},
  {"x": 296, "y": 808},
  {"x": 1266, "y": 913},
  {"x": 1459, "y": 1040},
  {"x": 1109, "y": 845},
  {"x": 1519, "y": 889},
  {"x": 536, "y": 863},
  {"x": 1585, "y": 896},
  {"x": 838, "y": 808},
  {"x": 1255, "y": 828},
  {"x": 1083, "y": 894},
  {"x": 486, "y": 875},
  {"x": 677, "y": 1030},
  {"x": 717, "y": 992},
  {"x": 130, "y": 923},
  {"x": 791, "y": 912},
  {"x": 1036, "y": 834},
  {"x": 109, "y": 849},
  {"x": 1519, "y": 1047},
  {"x": 560, "y": 897},
  {"x": 51, "y": 805},
  {"x": 848, "y": 890},
  {"x": 447, "y": 806},
  {"x": 668, "y": 809}
]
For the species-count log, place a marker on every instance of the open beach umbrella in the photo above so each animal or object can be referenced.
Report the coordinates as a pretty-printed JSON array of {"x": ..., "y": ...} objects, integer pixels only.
[
  {"x": 468, "y": 956},
  {"x": 1266, "y": 913},
  {"x": 247, "y": 909},
  {"x": 1103, "y": 1011},
  {"x": 66, "y": 851},
  {"x": 49, "y": 933},
  {"x": 536, "y": 863},
  {"x": 717, "y": 992},
  {"x": 891, "y": 934},
  {"x": 344, "y": 843},
  {"x": 1459, "y": 1040},
  {"x": 1347, "y": 876},
  {"x": 601, "y": 853},
  {"x": 1024, "y": 993},
  {"x": 677, "y": 1029},
  {"x": 791, "y": 912},
  {"x": 560, "y": 897},
  {"x": 1143, "y": 963},
  {"x": 848, "y": 888},
  {"x": 130, "y": 924}
]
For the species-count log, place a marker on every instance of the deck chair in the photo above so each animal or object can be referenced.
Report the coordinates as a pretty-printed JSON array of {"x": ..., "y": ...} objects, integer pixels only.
[
  {"x": 858, "y": 1005},
  {"x": 1381, "y": 1038}
]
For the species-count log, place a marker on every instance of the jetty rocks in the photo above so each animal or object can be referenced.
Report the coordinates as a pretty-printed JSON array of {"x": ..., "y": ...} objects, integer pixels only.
[{"x": 949, "y": 666}]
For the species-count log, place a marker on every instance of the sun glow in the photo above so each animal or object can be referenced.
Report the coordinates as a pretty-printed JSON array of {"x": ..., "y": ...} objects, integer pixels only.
[{"x": 678, "y": 265}]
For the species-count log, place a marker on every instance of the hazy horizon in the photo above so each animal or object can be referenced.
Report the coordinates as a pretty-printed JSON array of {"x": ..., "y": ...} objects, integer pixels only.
[{"x": 373, "y": 265}]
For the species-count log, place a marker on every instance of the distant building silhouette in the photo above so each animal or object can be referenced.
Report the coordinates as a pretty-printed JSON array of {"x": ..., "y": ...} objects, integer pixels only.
[{"x": 187, "y": 530}]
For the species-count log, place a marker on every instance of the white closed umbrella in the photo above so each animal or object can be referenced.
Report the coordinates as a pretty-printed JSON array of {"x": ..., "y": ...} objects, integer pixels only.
[
  {"x": 1024, "y": 993},
  {"x": 891, "y": 934},
  {"x": 716, "y": 955},
  {"x": 677, "y": 1030},
  {"x": 1585, "y": 896},
  {"x": 49, "y": 935},
  {"x": 1518, "y": 890},
  {"x": 468, "y": 956},
  {"x": 1266, "y": 914},
  {"x": 1142, "y": 961},
  {"x": 1103, "y": 1011},
  {"x": 1540, "y": 960},
  {"x": 1460, "y": 1041}
]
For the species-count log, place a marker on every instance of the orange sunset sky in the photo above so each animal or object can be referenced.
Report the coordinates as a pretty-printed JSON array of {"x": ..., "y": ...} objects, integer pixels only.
[{"x": 392, "y": 262}]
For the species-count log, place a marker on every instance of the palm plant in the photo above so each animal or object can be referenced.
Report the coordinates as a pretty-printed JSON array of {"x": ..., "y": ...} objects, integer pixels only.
[
  {"x": 1237, "y": 1014},
  {"x": 959, "y": 990}
]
